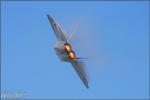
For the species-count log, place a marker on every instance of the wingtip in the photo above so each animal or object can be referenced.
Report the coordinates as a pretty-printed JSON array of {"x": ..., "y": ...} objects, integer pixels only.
[
  {"x": 48, "y": 15},
  {"x": 87, "y": 86},
  {"x": 50, "y": 18}
]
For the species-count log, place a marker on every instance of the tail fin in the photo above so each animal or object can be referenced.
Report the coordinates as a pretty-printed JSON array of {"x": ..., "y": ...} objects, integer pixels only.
[{"x": 71, "y": 35}]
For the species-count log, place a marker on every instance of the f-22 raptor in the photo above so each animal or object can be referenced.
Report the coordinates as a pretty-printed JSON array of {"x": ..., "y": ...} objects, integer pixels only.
[{"x": 65, "y": 51}]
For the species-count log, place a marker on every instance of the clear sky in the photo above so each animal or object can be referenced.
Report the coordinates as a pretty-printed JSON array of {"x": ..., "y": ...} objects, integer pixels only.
[{"x": 115, "y": 33}]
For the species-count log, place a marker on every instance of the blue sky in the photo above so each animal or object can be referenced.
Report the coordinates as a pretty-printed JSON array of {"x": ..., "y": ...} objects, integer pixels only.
[{"x": 115, "y": 33}]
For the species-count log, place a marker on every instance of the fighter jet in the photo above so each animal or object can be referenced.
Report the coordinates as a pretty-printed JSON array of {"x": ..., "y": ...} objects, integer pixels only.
[{"x": 65, "y": 51}]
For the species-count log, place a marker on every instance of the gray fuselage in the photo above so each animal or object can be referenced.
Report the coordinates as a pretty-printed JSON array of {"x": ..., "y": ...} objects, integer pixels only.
[{"x": 60, "y": 51}]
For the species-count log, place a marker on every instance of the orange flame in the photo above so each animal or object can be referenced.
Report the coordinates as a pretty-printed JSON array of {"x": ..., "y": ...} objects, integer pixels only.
[
  {"x": 68, "y": 48},
  {"x": 72, "y": 55}
]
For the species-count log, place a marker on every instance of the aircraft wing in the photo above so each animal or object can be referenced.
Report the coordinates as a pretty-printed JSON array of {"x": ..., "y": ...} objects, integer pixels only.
[
  {"x": 57, "y": 30},
  {"x": 79, "y": 68}
]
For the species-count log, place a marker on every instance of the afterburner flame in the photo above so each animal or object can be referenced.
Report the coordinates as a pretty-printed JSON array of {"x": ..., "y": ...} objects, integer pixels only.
[
  {"x": 68, "y": 48},
  {"x": 69, "y": 51},
  {"x": 72, "y": 55}
]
